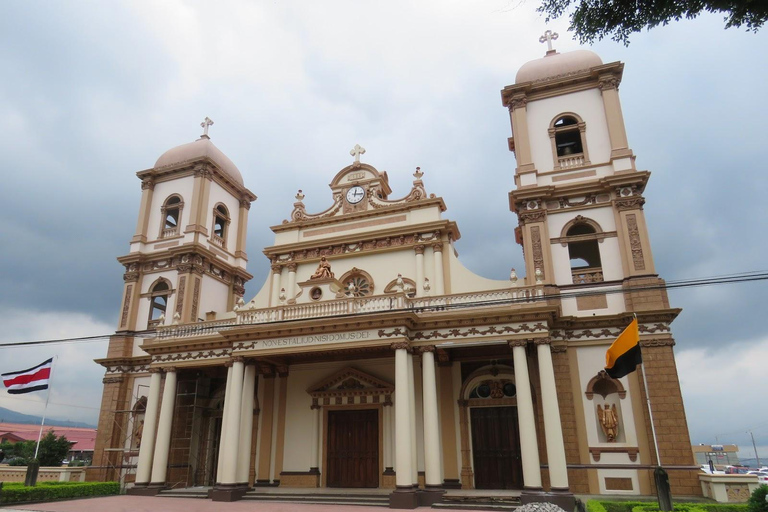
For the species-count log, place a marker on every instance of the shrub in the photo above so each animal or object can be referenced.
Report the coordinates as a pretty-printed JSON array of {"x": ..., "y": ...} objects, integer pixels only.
[
  {"x": 52, "y": 491},
  {"x": 757, "y": 501}
]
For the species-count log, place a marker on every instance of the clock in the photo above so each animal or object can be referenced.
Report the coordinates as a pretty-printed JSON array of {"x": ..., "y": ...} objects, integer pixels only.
[{"x": 355, "y": 194}]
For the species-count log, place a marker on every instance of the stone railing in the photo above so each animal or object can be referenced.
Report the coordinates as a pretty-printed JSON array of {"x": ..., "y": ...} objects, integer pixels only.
[
  {"x": 728, "y": 488},
  {"x": 570, "y": 161},
  {"x": 169, "y": 232},
  {"x": 514, "y": 297},
  {"x": 46, "y": 474},
  {"x": 587, "y": 275},
  {"x": 217, "y": 240},
  {"x": 195, "y": 329}
]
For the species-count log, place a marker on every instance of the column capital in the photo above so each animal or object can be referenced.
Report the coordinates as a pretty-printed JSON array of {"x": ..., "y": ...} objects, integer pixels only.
[
  {"x": 517, "y": 101},
  {"x": 245, "y": 203},
  {"x": 542, "y": 341},
  {"x": 315, "y": 403},
  {"x": 155, "y": 369},
  {"x": 657, "y": 342},
  {"x": 276, "y": 268},
  {"x": 292, "y": 267},
  {"x": 518, "y": 343},
  {"x": 147, "y": 183},
  {"x": 419, "y": 249},
  {"x": 606, "y": 82},
  {"x": 282, "y": 370},
  {"x": 425, "y": 348},
  {"x": 238, "y": 359},
  {"x": 229, "y": 363},
  {"x": 169, "y": 369},
  {"x": 437, "y": 246},
  {"x": 401, "y": 345},
  {"x": 387, "y": 401}
]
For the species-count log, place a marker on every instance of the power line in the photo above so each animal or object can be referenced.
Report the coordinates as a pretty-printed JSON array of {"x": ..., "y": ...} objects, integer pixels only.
[{"x": 606, "y": 288}]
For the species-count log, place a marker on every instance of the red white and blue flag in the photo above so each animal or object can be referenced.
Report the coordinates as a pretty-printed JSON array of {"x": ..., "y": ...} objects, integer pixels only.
[{"x": 29, "y": 380}]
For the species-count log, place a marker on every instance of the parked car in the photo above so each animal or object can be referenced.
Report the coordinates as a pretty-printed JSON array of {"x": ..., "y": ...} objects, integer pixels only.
[{"x": 762, "y": 476}]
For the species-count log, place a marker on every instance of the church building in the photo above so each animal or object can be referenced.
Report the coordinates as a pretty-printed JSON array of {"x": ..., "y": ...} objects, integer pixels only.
[{"x": 371, "y": 358}]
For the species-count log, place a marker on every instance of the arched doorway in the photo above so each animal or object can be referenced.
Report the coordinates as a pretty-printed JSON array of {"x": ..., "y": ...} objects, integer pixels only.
[{"x": 490, "y": 415}]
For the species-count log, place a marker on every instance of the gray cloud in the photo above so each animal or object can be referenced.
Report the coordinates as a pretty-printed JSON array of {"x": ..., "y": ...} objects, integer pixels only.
[{"x": 93, "y": 93}]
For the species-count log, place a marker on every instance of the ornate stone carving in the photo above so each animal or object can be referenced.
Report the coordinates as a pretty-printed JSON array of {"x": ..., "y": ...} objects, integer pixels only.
[
  {"x": 532, "y": 216},
  {"x": 542, "y": 341},
  {"x": 276, "y": 268},
  {"x": 630, "y": 203},
  {"x": 437, "y": 247},
  {"x": 400, "y": 345},
  {"x": 126, "y": 305},
  {"x": 112, "y": 380},
  {"x": 245, "y": 203},
  {"x": 323, "y": 270},
  {"x": 426, "y": 348},
  {"x": 609, "y": 421},
  {"x": 419, "y": 249},
  {"x": 292, "y": 267},
  {"x": 195, "y": 299},
  {"x": 131, "y": 273},
  {"x": 634, "y": 242},
  {"x": 610, "y": 82},
  {"x": 517, "y": 102},
  {"x": 169, "y": 369},
  {"x": 180, "y": 296},
  {"x": 147, "y": 183},
  {"x": 518, "y": 343},
  {"x": 657, "y": 342},
  {"x": 538, "y": 254}
]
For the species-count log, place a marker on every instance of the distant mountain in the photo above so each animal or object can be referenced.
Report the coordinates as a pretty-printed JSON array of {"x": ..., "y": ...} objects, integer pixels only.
[{"x": 9, "y": 416}]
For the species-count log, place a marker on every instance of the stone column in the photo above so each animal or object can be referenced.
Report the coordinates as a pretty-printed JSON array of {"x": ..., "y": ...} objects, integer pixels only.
[
  {"x": 291, "y": 290},
  {"x": 412, "y": 404},
  {"x": 387, "y": 412},
  {"x": 609, "y": 85},
  {"x": 419, "y": 249},
  {"x": 553, "y": 431},
  {"x": 315, "y": 453},
  {"x": 147, "y": 448},
  {"x": 404, "y": 496},
  {"x": 439, "y": 277},
  {"x": 519, "y": 116},
  {"x": 389, "y": 405},
  {"x": 242, "y": 228},
  {"x": 432, "y": 474},
  {"x": 224, "y": 420},
  {"x": 145, "y": 210},
  {"x": 163, "y": 443},
  {"x": 277, "y": 271},
  {"x": 232, "y": 402},
  {"x": 529, "y": 446},
  {"x": 246, "y": 425}
]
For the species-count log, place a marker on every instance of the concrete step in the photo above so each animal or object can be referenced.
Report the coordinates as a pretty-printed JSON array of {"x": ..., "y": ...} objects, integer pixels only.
[{"x": 375, "y": 500}]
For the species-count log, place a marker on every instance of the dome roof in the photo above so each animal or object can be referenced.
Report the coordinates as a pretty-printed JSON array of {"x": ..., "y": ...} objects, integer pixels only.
[
  {"x": 557, "y": 64},
  {"x": 202, "y": 147}
]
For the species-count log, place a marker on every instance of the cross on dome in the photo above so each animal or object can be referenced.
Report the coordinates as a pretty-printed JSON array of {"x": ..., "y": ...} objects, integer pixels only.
[
  {"x": 205, "y": 124},
  {"x": 356, "y": 152},
  {"x": 548, "y": 37}
]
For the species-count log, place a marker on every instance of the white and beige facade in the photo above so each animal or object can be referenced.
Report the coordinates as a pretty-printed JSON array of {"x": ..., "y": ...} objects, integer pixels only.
[{"x": 372, "y": 357}]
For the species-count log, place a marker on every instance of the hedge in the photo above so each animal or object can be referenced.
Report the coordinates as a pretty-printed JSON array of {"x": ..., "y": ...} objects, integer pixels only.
[
  {"x": 652, "y": 506},
  {"x": 52, "y": 491}
]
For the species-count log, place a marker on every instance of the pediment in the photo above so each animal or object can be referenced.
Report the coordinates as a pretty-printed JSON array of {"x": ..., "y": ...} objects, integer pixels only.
[{"x": 350, "y": 380}]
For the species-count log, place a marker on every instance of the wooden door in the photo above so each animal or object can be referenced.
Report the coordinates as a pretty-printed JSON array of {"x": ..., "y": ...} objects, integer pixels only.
[
  {"x": 353, "y": 448},
  {"x": 496, "y": 448}
]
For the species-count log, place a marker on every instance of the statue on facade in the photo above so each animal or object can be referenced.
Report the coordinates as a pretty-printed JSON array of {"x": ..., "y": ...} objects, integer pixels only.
[
  {"x": 609, "y": 421},
  {"x": 323, "y": 270}
]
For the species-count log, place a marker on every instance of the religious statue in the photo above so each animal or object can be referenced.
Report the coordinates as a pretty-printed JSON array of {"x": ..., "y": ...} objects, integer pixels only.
[
  {"x": 323, "y": 270},
  {"x": 139, "y": 433},
  {"x": 609, "y": 421}
]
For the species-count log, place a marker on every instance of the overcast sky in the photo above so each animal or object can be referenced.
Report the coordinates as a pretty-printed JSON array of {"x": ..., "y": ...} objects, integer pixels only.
[{"x": 92, "y": 92}]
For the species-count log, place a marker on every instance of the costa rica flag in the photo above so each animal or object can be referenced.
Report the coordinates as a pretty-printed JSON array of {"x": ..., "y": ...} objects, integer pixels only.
[{"x": 29, "y": 380}]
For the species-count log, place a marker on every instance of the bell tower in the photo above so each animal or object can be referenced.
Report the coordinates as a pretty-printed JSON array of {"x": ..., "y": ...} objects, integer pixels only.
[
  {"x": 187, "y": 259},
  {"x": 578, "y": 196}
]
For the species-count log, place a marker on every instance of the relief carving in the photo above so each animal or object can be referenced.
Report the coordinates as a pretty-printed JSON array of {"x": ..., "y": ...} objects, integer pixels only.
[
  {"x": 195, "y": 299},
  {"x": 126, "y": 305},
  {"x": 634, "y": 242},
  {"x": 538, "y": 255},
  {"x": 180, "y": 296}
]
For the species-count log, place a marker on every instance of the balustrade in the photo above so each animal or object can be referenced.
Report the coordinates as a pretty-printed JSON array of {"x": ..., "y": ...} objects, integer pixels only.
[{"x": 587, "y": 275}]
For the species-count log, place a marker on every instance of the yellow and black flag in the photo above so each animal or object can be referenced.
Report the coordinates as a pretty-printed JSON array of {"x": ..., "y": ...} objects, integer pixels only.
[{"x": 623, "y": 356}]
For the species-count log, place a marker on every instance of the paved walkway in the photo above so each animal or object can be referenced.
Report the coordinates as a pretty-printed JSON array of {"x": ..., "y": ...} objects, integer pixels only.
[{"x": 127, "y": 503}]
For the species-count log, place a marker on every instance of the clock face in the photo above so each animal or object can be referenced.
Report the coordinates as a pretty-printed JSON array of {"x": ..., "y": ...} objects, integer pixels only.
[{"x": 355, "y": 194}]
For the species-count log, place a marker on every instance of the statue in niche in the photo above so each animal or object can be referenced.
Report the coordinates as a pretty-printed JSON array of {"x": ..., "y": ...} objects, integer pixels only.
[
  {"x": 323, "y": 270},
  {"x": 609, "y": 421},
  {"x": 139, "y": 432}
]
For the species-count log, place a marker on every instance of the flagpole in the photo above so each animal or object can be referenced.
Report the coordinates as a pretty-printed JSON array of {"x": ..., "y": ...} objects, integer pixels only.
[
  {"x": 45, "y": 411},
  {"x": 648, "y": 402}
]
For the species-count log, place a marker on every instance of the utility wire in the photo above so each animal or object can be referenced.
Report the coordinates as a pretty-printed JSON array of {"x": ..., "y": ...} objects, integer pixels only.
[{"x": 606, "y": 288}]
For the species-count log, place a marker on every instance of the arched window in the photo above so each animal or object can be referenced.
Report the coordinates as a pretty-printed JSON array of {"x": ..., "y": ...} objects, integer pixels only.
[
  {"x": 569, "y": 143},
  {"x": 357, "y": 283},
  {"x": 171, "y": 215},
  {"x": 220, "y": 225},
  {"x": 582, "y": 237},
  {"x": 158, "y": 297}
]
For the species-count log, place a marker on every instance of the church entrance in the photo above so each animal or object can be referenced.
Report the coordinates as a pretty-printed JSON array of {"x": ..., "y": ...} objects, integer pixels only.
[
  {"x": 496, "y": 448},
  {"x": 353, "y": 448}
]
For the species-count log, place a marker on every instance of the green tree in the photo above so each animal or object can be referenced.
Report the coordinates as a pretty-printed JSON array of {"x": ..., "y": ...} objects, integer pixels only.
[
  {"x": 757, "y": 501},
  {"x": 21, "y": 450},
  {"x": 53, "y": 449},
  {"x": 597, "y": 19}
]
